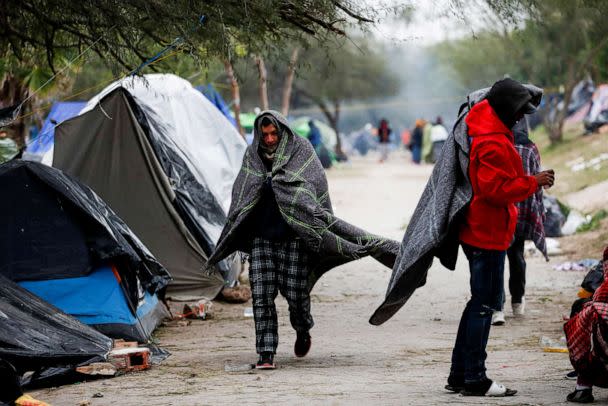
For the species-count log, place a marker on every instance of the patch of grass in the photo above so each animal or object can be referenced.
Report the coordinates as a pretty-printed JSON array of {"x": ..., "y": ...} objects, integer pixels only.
[
  {"x": 574, "y": 146},
  {"x": 594, "y": 224}
]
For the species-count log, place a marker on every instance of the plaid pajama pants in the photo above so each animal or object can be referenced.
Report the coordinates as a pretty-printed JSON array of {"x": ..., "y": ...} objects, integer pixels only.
[{"x": 278, "y": 267}]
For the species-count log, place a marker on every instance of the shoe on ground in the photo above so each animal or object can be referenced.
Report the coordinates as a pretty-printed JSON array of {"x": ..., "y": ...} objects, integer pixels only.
[
  {"x": 572, "y": 375},
  {"x": 455, "y": 384},
  {"x": 519, "y": 308},
  {"x": 581, "y": 396},
  {"x": 488, "y": 388},
  {"x": 302, "y": 345},
  {"x": 498, "y": 318},
  {"x": 266, "y": 361}
]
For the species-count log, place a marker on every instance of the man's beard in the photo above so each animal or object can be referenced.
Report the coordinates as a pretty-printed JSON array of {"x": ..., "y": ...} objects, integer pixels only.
[{"x": 268, "y": 152}]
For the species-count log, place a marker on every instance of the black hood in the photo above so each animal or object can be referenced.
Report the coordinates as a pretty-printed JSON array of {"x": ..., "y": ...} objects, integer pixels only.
[{"x": 510, "y": 98}]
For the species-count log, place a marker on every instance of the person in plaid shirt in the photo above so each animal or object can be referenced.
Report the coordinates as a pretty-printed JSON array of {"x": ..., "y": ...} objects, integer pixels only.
[
  {"x": 530, "y": 219},
  {"x": 587, "y": 338}
]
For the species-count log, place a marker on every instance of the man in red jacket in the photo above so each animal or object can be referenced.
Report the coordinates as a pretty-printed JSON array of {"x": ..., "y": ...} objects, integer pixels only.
[{"x": 498, "y": 182}]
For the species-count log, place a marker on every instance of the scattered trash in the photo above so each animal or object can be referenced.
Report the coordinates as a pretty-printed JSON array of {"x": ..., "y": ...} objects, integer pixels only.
[
  {"x": 248, "y": 312},
  {"x": 584, "y": 265},
  {"x": 199, "y": 310},
  {"x": 237, "y": 294},
  {"x": 581, "y": 164},
  {"x": 238, "y": 367},
  {"x": 553, "y": 247},
  {"x": 551, "y": 345},
  {"x": 554, "y": 216},
  {"x": 98, "y": 368},
  {"x": 574, "y": 221}
]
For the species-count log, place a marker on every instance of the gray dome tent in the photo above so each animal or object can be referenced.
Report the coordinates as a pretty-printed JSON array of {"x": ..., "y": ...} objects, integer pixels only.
[{"x": 164, "y": 158}]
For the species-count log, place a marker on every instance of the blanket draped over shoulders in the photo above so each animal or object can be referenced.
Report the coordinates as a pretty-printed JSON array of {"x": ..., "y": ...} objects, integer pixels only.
[{"x": 301, "y": 191}]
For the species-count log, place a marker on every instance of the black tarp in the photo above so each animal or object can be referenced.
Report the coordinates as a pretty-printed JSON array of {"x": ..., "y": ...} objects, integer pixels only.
[
  {"x": 35, "y": 335},
  {"x": 84, "y": 229}
]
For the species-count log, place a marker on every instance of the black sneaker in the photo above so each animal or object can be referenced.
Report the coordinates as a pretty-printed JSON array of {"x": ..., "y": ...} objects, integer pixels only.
[
  {"x": 302, "y": 345},
  {"x": 455, "y": 384},
  {"x": 581, "y": 396},
  {"x": 572, "y": 375},
  {"x": 266, "y": 361}
]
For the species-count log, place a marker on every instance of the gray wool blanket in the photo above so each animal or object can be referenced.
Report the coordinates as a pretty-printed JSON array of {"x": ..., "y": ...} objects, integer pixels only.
[
  {"x": 300, "y": 188},
  {"x": 433, "y": 229}
]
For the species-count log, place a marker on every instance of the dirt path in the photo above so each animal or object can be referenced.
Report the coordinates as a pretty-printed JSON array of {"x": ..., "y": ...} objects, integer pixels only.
[{"x": 403, "y": 362}]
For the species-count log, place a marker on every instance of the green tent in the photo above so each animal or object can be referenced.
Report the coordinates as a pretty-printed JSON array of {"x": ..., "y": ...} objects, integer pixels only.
[
  {"x": 328, "y": 135},
  {"x": 247, "y": 120}
]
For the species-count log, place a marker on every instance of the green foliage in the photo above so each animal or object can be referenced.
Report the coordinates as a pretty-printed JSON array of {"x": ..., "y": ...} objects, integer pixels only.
[
  {"x": 129, "y": 32},
  {"x": 594, "y": 223}
]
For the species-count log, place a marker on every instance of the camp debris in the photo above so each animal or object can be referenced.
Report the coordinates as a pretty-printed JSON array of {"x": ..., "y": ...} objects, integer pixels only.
[{"x": 165, "y": 159}]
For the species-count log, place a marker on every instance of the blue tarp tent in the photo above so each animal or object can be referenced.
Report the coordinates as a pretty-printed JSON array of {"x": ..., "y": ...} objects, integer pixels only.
[
  {"x": 98, "y": 300},
  {"x": 218, "y": 101},
  {"x": 60, "y": 111}
]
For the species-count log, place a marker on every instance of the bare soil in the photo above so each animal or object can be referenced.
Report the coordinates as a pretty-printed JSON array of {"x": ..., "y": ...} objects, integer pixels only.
[{"x": 403, "y": 362}]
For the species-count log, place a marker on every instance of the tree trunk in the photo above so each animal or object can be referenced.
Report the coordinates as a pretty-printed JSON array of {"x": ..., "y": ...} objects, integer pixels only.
[
  {"x": 12, "y": 92},
  {"x": 556, "y": 127},
  {"x": 262, "y": 78},
  {"x": 334, "y": 119},
  {"x": 236, "y": 96},
  {"x": 291, "y": 72}
]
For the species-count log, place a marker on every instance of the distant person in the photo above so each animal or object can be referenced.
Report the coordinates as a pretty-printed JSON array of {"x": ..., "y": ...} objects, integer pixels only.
[
  {"x": 427, "y": 145},
  {"x": 416, "y": 142},
  {"x": 314, "y": 136},
  {"x": 438, "y": 136},
  {"x": 586, "y": 335},
  {"x": 530, "y": 226},
  {"x": 281, "y": 214},
  {"x": 406, "y": 136},
  {"x": 384, "y": 138}
]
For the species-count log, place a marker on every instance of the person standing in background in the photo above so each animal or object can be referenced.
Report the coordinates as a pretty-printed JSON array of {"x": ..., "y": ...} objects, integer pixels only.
[
  {"x": 438, "y": 136},
  {"x": 384, "y": 136},
  {"x": 416, "y": 142}
]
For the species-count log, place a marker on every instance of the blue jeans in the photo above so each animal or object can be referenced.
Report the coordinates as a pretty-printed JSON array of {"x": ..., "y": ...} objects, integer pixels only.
[
  {"x": 416, "y": 153},
  {"x": 487, "y": 277}
]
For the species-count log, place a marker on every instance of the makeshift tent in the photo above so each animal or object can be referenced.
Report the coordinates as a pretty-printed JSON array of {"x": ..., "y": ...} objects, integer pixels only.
[
  {"x": 218, "y": 101},
  {"x": 598, "y": 113},
  {"x": 60, "y": 111},
  {"x": 59, "y": 240},
  {"x": 34, "y": 334},
  {"x": 165, "y": 159}
]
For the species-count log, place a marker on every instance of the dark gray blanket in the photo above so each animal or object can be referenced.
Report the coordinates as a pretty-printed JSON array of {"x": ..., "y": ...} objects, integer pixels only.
[
  {"x": 433, "y": 229},
  {"x": 300, "y": 188}
]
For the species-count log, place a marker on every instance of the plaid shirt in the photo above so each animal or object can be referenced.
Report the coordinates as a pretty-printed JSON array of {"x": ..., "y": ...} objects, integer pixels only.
[
  {"x": 531, "y": 212},
  {"x": 586, "y": 332}
]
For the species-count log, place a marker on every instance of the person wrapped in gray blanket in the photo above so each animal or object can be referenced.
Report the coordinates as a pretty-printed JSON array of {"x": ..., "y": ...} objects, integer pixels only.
[{"x": 281, "y": 214}]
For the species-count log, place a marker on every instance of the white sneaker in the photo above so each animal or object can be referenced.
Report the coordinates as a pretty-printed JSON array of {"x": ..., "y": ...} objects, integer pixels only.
[
  {"x": 519, "y": 308},
  {"x": 498, "y": 318}
]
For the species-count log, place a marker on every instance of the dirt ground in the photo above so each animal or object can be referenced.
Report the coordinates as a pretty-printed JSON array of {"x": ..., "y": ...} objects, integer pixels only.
[{"x": 403, "y": 362}]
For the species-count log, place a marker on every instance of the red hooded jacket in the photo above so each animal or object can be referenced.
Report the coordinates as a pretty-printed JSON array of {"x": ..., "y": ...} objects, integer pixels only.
[{"x": 498, "y": 181}]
